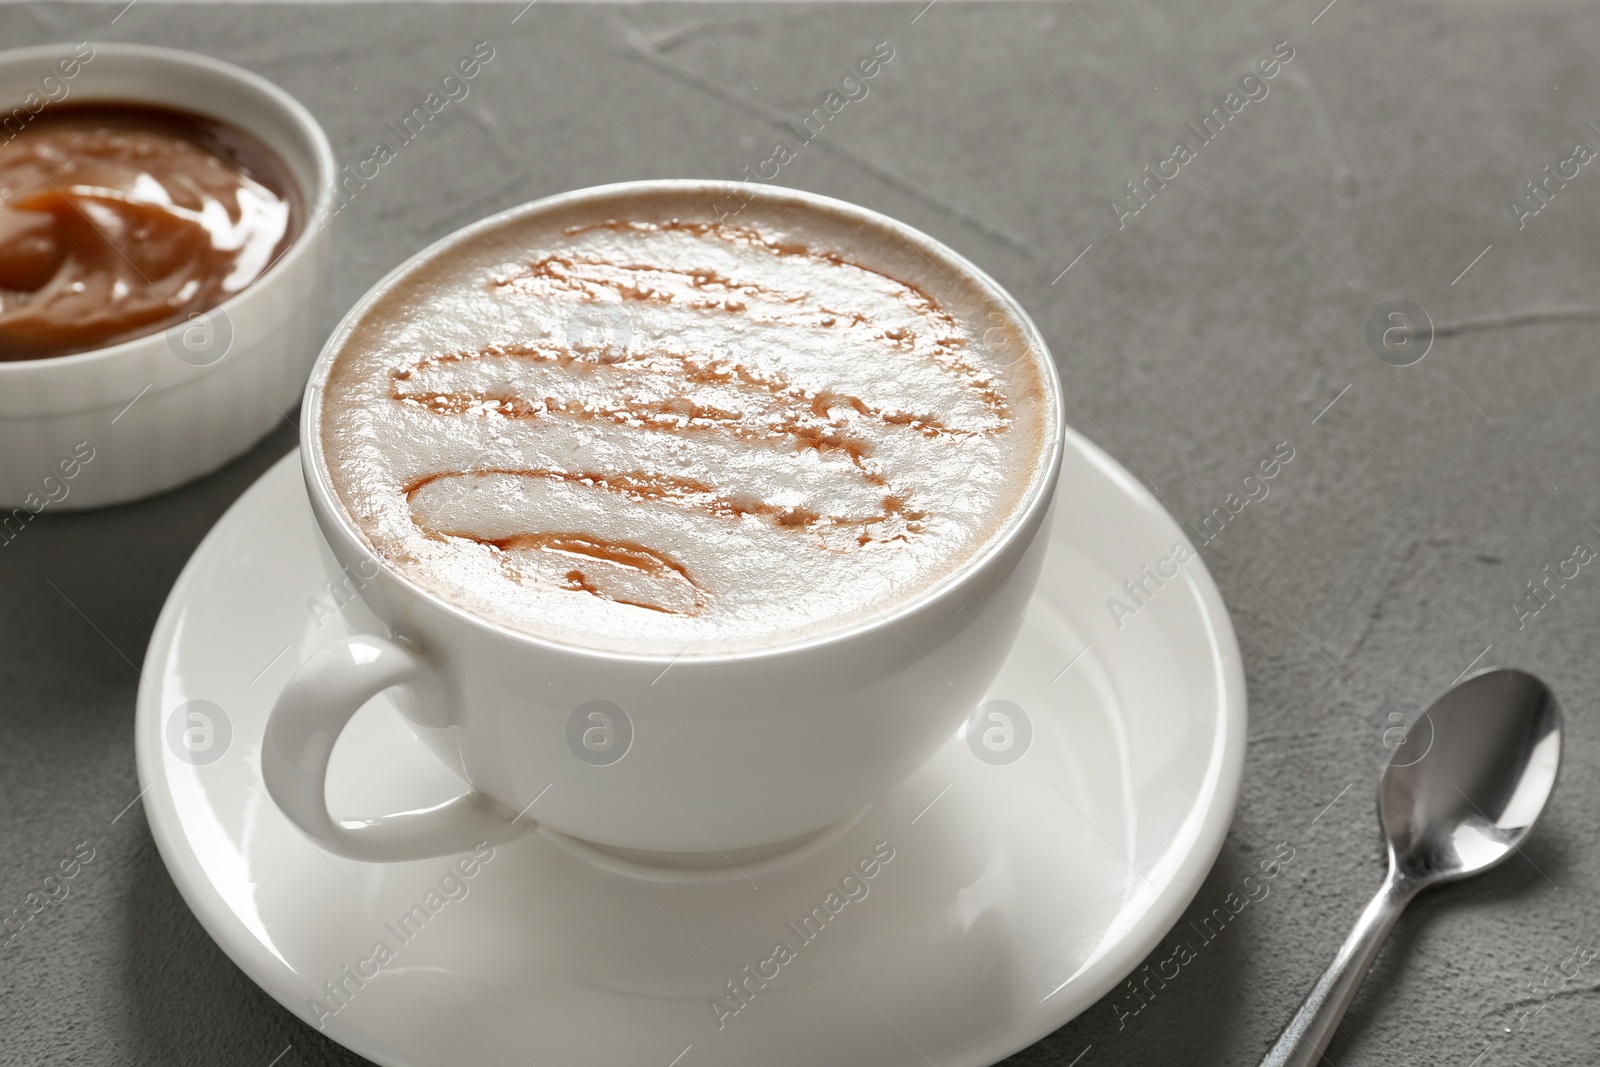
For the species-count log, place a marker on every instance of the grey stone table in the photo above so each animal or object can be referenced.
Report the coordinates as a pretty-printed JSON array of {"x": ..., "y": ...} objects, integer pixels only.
[{"x": 1220, "y": 311}]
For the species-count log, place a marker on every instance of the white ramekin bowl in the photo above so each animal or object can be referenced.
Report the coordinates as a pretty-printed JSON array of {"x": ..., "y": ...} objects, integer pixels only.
[{"x": 135, "y": 418}]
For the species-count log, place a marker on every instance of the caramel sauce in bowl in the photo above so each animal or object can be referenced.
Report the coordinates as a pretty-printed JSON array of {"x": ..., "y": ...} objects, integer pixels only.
[
  {"x": 164, "y": 248},
  {"x": 120, "y": 220}
]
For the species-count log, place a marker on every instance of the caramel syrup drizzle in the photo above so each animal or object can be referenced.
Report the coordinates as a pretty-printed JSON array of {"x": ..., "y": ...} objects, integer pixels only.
[
  {"x": 591, "y": 275},
  {"x": 641, "y": 486},
  {"x": 801, "y": 416},
  {"x": 583, "y": 548},
  {"x": 787, "y": 413}
]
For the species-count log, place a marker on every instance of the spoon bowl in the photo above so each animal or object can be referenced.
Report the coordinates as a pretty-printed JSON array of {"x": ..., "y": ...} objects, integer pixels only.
[{"x": 1490, "y": 749}]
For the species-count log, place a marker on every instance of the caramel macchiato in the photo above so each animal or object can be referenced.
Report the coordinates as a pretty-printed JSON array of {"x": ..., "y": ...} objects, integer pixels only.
[{"x": 634, "y": 423}]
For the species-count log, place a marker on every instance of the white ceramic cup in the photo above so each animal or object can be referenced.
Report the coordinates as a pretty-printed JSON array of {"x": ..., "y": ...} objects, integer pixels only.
[
  {"x": 141, "y": 416},
  {"x": 710, "y": 754}
]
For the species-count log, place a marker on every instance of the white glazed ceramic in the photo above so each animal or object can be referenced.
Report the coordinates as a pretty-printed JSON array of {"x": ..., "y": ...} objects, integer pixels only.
[
  {"x": 728, "y": 751},
  {"x": 159, "y": 410},
  {"x": 1018, "y": 895}
]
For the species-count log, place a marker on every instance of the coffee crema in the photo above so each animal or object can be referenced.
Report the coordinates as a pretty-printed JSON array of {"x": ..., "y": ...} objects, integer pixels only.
[
  {"x": 119, "y": 220},
  {"x": 620, "y": 424}
]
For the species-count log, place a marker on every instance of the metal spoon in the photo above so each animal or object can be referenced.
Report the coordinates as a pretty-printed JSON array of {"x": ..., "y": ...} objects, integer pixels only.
[{"x": 1458, "y": 796}]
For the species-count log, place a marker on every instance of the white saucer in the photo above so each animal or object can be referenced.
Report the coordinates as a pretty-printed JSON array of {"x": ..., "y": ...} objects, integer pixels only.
[{"x": 1017, "y": 894}]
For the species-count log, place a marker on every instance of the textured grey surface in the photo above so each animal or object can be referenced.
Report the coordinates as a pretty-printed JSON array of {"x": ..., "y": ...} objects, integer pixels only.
[{"x": 1388, "y": 554}]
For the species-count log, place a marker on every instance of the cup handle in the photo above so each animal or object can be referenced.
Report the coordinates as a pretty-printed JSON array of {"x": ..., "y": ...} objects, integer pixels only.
[{"x": 310, "y": 714}]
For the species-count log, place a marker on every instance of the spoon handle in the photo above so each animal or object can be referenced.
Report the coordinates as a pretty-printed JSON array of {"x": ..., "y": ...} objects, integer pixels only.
[{"x": 1308, "y": 1033}]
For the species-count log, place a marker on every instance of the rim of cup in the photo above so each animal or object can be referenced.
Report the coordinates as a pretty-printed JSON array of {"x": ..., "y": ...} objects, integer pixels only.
[{"x": 1026, "y": 516}]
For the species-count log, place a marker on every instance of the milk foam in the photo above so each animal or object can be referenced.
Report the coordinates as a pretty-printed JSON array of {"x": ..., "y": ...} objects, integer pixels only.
[{"x": 623, "y": 425}]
